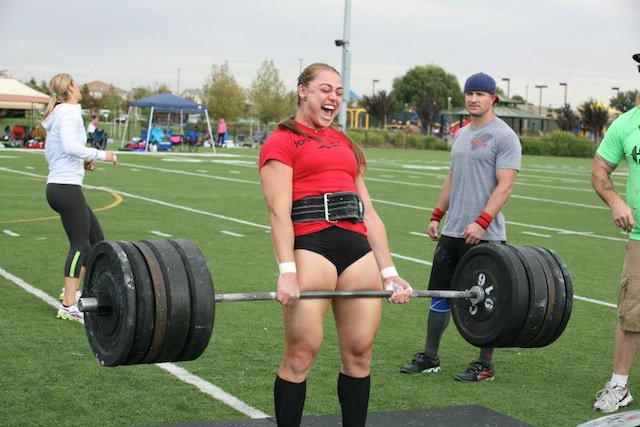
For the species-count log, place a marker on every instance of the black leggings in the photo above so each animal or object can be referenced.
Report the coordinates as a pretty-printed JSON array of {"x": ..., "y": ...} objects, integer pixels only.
[{"x": 79, "y": 222}]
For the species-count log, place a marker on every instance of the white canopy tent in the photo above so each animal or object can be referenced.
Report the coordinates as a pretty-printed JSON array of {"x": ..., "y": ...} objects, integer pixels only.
[
  {"x": 166, "y": 102},
  {"x": 18, "y": 96}
]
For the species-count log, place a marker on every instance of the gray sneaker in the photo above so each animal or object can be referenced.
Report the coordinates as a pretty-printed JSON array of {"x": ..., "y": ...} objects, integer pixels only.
[
  {"x": 612, "y": 397},
  {"x": 421, "y": 363}
]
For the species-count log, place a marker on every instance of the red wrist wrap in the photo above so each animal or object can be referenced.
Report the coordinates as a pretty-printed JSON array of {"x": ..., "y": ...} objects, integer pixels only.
[
  {"x": 484, "y": 220},
  {"x": 437, "y": 215}
]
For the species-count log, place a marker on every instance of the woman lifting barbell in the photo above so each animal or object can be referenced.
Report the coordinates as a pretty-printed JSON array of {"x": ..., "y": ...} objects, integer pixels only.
[{"x": 326, "y": 236}]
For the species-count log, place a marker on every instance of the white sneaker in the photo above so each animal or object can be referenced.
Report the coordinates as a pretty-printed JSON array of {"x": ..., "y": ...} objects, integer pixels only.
[
  {"x": 612, "y": 397},
  {"x": 69, "y": 313}
]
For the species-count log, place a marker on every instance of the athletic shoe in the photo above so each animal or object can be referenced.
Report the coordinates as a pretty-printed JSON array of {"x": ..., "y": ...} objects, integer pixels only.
[
  {"x": 61, "y": 296},
  {"x": 612, "y": 397},
  {"x": 421, "y": 363},
  {"x": 69, "y": 313},
  {"x": 477, "y": 371}
]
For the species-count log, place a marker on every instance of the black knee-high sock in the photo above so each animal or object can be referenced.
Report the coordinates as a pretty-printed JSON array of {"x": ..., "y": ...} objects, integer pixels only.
[
  {"x": 353, "y": 394},
  {"x": 289, "y": 399},
  {"x": 437, "y": 323}
]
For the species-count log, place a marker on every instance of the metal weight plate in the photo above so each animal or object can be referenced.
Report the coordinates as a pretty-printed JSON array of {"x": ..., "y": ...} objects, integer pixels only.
[
  {"x": 557, "y": 300},
  {"x": 178, "y": 299},
  {"x": 560, "y": 319},
  {"x": 160, "y": 302},
  {"x": 538, "y": 294},
  {"x": 202, "y": 299},
  {"x": 568, "y": 284},
  {"x": 497, "y": 320},
  {"x": 109, "y": 279},
  {"x": 145, "y": 304}
]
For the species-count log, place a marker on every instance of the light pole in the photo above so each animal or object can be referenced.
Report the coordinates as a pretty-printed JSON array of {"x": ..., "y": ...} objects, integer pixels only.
[
  {"x": 540, "y": 101},
  {"x": 300, "y": 71},
  {"x": 346, "y": 63},
  {"x": 373, "y": 86},
  {"x": 508, "y": 80},
  {"x": 178, "y": 86},
  {"x": 617, "y": 89},
  {"x": 565, "y": 93}
]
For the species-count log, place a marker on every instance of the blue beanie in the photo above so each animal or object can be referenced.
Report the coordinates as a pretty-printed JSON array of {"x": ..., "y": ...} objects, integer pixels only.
[{"x": 480, "y": 82}]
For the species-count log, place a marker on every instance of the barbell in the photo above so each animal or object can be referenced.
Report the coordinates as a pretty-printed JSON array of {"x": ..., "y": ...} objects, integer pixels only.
[{"x": 153, "y": 301}]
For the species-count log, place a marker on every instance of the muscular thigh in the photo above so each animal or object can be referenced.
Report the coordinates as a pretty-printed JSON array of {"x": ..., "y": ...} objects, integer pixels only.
[
  {"x": 303, "y": 324},
  {"x": 358, "y": 319}
]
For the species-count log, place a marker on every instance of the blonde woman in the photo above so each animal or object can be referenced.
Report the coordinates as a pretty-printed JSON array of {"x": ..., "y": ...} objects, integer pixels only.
[{"x": 68, "y": 157}]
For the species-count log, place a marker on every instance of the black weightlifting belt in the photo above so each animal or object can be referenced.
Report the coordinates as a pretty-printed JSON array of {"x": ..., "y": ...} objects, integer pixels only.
[{"x": 329, "y": 207}]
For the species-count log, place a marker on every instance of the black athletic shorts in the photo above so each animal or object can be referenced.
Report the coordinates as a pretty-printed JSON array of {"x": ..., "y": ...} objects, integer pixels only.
[
  {"x": 448, "y": 253},
  {"x": 341, "y": 247}
]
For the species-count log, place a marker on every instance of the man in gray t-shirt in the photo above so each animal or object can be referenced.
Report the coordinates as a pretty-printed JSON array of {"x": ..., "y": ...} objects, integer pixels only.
[{"x": 485, "y": 159}]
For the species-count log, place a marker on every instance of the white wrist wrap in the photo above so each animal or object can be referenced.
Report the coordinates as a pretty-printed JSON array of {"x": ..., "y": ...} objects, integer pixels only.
[
  {"x": 287, "y": 267},
  {"x": 388, "y": 272}
]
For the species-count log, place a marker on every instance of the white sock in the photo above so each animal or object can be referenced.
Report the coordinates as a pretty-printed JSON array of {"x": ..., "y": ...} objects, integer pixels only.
[{"x": 620, "y": 380}]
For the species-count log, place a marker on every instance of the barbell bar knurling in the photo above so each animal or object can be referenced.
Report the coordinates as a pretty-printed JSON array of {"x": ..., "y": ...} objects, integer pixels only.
[{"x": 475, "y": 295}]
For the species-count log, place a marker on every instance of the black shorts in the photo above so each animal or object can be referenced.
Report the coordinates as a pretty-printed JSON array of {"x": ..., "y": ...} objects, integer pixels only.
[
  {"x": 448, "y": 253},
  {"x": 341, "y": 247}
]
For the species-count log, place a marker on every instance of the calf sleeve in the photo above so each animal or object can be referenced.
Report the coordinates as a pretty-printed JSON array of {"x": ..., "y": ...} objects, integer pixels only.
[{"x": 436, "y": 324}]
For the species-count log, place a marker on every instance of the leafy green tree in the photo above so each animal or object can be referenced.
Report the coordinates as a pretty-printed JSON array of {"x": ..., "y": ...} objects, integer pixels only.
[
  {"x": 42, "y": 87},
  {"x": 566, "y": 118},
  {"x": 624, "y": 101},
  {"x": 427, "y": 89},
  {"x": 595, "y": 117},
  {"x": 88, "y": 101},
  {"x": 222, "y": 95},
  {"x": 268, "y": 95},
  {"x": 380, "y": 107},
  {"x": 110, "y": 100}
]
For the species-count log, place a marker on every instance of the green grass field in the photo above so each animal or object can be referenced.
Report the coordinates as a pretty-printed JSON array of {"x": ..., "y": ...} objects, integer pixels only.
[{"x": 49, "y": 376}]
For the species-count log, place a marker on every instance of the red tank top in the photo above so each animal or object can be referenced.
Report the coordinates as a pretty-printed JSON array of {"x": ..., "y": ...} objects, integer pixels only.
[{"x": 320, "y": 166}]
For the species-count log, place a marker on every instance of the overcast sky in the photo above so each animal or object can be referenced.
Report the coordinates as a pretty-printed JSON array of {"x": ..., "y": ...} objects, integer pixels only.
[{"x": 586, "y": 43}]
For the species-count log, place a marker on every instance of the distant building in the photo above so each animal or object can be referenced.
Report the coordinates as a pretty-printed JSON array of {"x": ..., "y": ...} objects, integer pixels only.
[
  {"x": 97, "y": 89},
  {"x": 193, "y": 94}
]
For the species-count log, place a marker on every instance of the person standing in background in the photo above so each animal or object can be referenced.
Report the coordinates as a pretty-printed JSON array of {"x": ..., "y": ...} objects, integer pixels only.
[
  {"x": 68, "y": 157},
  {"x": 621, "y": 142},
  {"x": 222, "y": 131},
  {"x": 485, "y": 160}
]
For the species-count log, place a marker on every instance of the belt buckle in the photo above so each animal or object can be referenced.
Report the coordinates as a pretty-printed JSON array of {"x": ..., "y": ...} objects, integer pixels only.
[{"x": 325, "y": 197}]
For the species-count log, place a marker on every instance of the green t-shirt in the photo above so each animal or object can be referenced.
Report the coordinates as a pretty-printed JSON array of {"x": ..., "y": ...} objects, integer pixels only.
[{"x": 622, "y": 141}]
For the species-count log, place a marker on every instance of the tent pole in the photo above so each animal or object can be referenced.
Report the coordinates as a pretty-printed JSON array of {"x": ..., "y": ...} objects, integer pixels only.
[
  {"x": 149, "y": 129},
  {"x": 213, "y": 143},
  {"x": 126, "y": 128}
]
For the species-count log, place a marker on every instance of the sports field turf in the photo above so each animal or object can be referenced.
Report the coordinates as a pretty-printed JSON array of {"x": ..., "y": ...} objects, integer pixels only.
[{"x": 49, "y": 377}]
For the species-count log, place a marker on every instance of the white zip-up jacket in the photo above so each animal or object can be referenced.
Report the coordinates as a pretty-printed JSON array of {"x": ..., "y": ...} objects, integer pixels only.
[{"x": 65, "y": 146}]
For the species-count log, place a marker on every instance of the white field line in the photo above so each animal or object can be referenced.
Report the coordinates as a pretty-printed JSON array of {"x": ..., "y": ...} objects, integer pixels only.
[
  {"x": 160, "y": 233},
  {"x": 531, "y": 233},
  {"x": 10, "y": 233},
  {"x": 231, "y": 233},
  {"x": 204, "y": 386}
]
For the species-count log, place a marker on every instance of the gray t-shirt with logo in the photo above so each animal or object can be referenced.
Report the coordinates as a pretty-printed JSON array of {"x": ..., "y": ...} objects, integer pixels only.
[{"x": 476, "y": 154}]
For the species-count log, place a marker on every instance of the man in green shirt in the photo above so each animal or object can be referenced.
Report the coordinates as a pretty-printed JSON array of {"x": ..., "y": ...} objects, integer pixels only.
[{"x": 622, "y": 142}]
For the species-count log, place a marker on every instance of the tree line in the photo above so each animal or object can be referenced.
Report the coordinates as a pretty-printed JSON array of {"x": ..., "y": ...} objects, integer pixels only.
[{"x": 427, "y": 90}]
